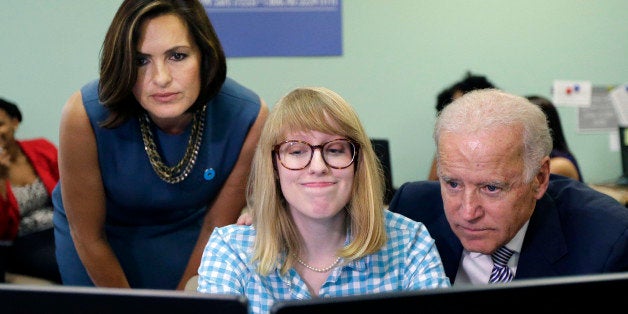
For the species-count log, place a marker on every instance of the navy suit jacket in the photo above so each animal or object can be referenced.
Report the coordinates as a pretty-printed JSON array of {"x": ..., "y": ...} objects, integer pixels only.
[{"x": 574, "y": 230}]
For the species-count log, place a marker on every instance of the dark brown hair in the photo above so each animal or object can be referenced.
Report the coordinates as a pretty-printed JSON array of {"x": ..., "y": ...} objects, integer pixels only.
[
  {"x": 11, "y": 109},
  {"x": 118, "y": 67},
  {"x": 553, "y": 121},
  {"x": 470, "y": 82}
]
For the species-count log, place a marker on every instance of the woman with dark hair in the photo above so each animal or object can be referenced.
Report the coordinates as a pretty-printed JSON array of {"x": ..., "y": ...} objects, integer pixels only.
[
  {"x": 28, "y": 173},
  {"x": 155, "y": 153},
  {"x": 562, "y": 160}
]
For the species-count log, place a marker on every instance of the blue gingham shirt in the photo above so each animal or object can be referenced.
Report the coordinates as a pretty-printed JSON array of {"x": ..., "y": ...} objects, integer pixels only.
[{"x": 408, "y": 261}]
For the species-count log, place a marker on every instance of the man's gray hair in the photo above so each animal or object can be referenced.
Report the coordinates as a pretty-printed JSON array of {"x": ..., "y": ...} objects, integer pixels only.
[{"x": 491, "y": 108}]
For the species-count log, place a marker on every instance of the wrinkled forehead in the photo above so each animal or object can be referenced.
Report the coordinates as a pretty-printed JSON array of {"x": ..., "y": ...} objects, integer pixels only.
[
  {"x": 481, "y": 147},
  {"x": 496, "y": 134}
]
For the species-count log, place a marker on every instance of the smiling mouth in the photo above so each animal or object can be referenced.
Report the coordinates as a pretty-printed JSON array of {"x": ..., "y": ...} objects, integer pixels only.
[{"x": 317, "y": 185}]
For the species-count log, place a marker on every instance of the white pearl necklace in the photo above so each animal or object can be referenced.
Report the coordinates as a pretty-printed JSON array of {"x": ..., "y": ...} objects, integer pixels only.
[{"x": 318, "y": 270}]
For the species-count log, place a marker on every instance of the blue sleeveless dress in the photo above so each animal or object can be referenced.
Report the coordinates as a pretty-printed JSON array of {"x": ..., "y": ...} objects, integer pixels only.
[{"x": 153, "y": 225}]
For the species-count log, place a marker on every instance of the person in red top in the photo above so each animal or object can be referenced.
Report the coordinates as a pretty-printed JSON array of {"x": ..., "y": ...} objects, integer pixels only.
[{"x": 28, "y": 173}]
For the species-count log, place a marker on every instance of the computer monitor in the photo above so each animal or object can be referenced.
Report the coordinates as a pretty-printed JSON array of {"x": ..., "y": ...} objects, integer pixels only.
[
  {"x": 623, "y": 146},
  {"x": 568, "y": 294},
  {"x": 382, "y": 150},
  {"x": 52, "y": 299}
]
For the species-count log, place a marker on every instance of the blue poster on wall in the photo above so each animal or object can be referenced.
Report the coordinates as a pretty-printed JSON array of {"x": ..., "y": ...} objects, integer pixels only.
[{"x": 282, "y": 28}]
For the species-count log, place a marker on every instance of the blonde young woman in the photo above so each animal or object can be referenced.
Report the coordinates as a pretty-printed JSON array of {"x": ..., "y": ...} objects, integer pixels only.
[{"x": 319, "y": 229}]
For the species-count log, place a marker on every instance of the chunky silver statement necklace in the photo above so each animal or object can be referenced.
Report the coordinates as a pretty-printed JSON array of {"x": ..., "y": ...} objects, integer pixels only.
[
  {"x": 318, "y": 270},
  {"x": 183, "y": 168}
]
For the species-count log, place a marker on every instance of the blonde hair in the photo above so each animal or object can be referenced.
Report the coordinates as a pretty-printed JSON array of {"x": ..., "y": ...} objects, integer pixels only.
[{"x": 313, "y": 109}]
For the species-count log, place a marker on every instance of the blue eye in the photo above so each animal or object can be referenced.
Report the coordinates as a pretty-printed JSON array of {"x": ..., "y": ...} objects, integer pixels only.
[
  {"x": 493, "y": 189},
  {"x": 296, "y": 152}
]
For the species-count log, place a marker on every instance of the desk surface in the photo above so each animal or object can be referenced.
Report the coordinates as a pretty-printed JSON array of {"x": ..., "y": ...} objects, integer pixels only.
[{"x": 618, "y": 192}]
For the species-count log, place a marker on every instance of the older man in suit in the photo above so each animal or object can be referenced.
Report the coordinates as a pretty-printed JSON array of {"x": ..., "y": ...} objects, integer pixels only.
[{"x": 495, "y": 194}]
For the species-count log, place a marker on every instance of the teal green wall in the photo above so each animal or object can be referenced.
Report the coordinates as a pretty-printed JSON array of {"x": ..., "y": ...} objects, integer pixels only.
[{"x": 398, "y": 54}]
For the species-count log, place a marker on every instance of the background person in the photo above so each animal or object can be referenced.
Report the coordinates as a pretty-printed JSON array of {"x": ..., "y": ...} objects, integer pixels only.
[
  {"x": 469, "y": 83},
  {"x": 155, "y": 153},
  {"x": 28, "y": 173},
  {"x": 319, "y": 225},
  {"x": 496, "y": 190},
  {"x": 562, "y": 160}
]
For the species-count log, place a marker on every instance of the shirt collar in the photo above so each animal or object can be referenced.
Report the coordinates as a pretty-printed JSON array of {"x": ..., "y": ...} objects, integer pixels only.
[{"x": 515, "y": 243}]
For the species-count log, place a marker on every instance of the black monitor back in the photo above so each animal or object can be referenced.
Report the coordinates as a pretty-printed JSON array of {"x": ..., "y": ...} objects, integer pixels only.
[
  {"x": 623, "y": 146},
  {"x": 382, "y": 150},
  {"x": 558, "y": 295},
  {"x": 25, "y": 299}
]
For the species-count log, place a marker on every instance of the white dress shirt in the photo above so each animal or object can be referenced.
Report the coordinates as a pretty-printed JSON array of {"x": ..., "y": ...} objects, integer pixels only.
[{"x": 475, "y": 268}]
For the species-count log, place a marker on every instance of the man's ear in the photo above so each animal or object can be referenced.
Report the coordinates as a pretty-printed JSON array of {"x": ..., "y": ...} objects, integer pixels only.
[{"x": 541, "y": 180}]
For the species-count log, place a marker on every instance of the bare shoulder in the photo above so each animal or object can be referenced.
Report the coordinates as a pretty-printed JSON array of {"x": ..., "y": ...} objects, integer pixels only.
[
  {"x": 72, "y": 110},
  {"x": 563, "y": 166},
  {"x": 76, "y": 136},
  {"x": 263, "y": 111},
  {"x": 256, "y": 129},
  {"x": 73, "y": 104}
]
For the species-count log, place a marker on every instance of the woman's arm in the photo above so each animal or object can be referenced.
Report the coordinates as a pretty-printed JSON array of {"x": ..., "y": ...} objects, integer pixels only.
[
  {"x": 231, "y": 199},
  {"x": 83, "y": 195},
  {"x": 563, "y": 166}
]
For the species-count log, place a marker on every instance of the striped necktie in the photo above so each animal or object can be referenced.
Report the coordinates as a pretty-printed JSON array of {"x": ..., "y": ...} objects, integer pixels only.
[{"x": 501, "y": 272}]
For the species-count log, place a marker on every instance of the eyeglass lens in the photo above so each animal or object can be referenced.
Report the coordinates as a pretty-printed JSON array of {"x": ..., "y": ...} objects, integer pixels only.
[{"x": 296, "y": 155}]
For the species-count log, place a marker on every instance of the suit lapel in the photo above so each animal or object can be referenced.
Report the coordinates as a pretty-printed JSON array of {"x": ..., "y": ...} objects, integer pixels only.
[{"x": 544, "y": 243}]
